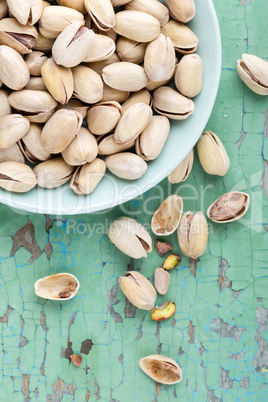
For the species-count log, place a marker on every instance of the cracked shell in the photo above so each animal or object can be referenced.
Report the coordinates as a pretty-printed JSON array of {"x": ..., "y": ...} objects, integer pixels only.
[
  {"x": 183, "y": 170},
  {"x": 82, "y": 149},
  {"x": 167, "y": 217},
  {"x": 102, "y": 49},
  {"x": 103, "y": 117},
  {"x": 130, "y": 237},
  {"x": 159, "y": 59},
  {"x": 138, "y": 290},
  {"x": 16, "y": 177},
  {"x": 102, "y": 13},
  {"x": 12, "y": 128},
  {"x": 229, "y": 207},
  {"x": 19, "y": 37},
  {"x": 87, "y": 177},
  {"x": 253, "y": 71},
  {"x": 57, "y": 287},
  {"x": 189, "y": 75},
  {"x": 126, "y": 165},
  {"x": 193, "y": 234},
  {"x": 153, "y": 7},
  {"x": 14, "y": 72},
  {"x": 212, "y": 154},
  {"x": 88, "y": 86},
  {"x": 31, "y": 146},
  {"x": 170, "y": 103},
  {"x": 53, "y": 173},
  {"x": 26, "y": 11},
  {"x": 181, "y": 10},
  {"x": 161, "y": 369},
  {"x": 183, "y": 38}
]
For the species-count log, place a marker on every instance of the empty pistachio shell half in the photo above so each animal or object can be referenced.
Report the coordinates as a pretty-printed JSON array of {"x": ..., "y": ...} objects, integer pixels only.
[
  {"x": 16, "y": 177},
  {"x": 182, "y": 171},
  {"x": 87, "y": 177},
  {"x": 193, "y": 234},
  {"x": 189, "y": 75},
  {"x": 138, "y": 290},
  {"x": 212, "y": 154},
  {"x": 53, "y": 173},
  {"x": 253, "y": 71},
  {"x": 153, "y": 7},
  {"x": 102, "y": 13},
  {"x": 159, "y": 59},
  {"x": 229, "y": 207},
  {"x": 35, "y": 61},
  {"x": 19, "y": 37},
  {"x": 103, "y": 117},
  {"x": 167, "y": 217},
  {"x": 12, "y": 128},
  {"x": 57, "y": 287},
  {"x": 126, "y": 165},
  {"x": 125, "y": 76},
  {"x": 161, "y": 369},
  {"x": 170, "y": 103},
  {"x": 184, "y": 40},
  {"x": 142, "y": 96},
  {"x": 14, "y": 72},
  {"x": 181, "y": 10},
  {"x": 163, "y": 312},
  {"x": 152, "y": 140},
  {"x": 130, "y": 237},
  {"x": 137, "y": 25},
  {"x": 27, "y": 11},
  {"x": 31, "y": 146},
  {"x": 161, "y": 280},
  {"x": 11, "y": 154}
]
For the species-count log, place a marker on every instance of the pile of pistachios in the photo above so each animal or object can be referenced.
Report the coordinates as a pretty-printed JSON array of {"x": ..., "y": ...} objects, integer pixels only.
[{"x": 80, "y": 81}]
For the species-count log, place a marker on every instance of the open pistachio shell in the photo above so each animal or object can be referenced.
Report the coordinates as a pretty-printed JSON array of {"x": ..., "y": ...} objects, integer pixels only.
[
  {"x": 130, "y": 51},
  {"x": 182, "y": 171},
  {"x": 253, "y": 71},
  {"x": 26, "y": 11},
  {"x": 31, "y": 146},
  {"x": 212, "y": 154},
  {"x": 229, "y": 207},
  {"x": 102, "y": 13},
  {"x": 130, "y": 237},
  {"x": 57, "y": 287},
  {"x": 56, "y": 18},
  {"x": 161, "y": 369},
  {"x": 19, "y": 37},
  {"x": 87, "y": 177},
  {"x": 82, "y": 149},
  {"x": 16, "y": 177},
  {"x": 53, "y": 173},
  {"x": 167, "y": 217},
  {"x": 170, "y": 103},
  {"x": 183, "y": 38}
]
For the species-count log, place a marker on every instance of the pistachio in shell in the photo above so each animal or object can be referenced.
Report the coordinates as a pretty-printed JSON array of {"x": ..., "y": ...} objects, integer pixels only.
[
  {"x": 181, "y": 10},
  {"x": 87, "y": 177},
  {"x": 31, "y": 146},
  {"x": 88, "y": 86},
  {"x": 193, "y": 234},
  {"x": 26, "y": 11},
  {"x": 130, "y": 51},
  {"x": 159, "y": 59},
  {"x": 189, "y": 75},
  {"x": 170, "y": 103},
  {"x": 126, "y": 165},
  {"x": 138, "y": 290},
  {"x": 12, "y": 128},
  {"x": 103, "y": 48},
  {"x": 53, "y": 173},
  {"x": 82, "y": 149},
  {"x": 102, "y": 13},
  {"x": 125, "y": 76},
  {"x": 36, "y": 84},
  {"x": 229, "y": 207},
  {"x": 253, "y": 71},
  {"x": 14, "y": 72},
  {"x": 55, "y": 19},
  {"x": 11, "y": 154},
  {"x": 16, "y": 177},
  {"x": 35, "y": 61},
  {"x": 103, "y": 117},
  {"x": 5, "y": 108},
  {"x": 107, "y": 146},
  {"x": 167, "y": 217},
  {"x": 183, "y": 170},
  {"x": 57, "y": 287},
  {"x": 153, "y": 7},
  {"x": 19, "y": 37},
  {"x": 161, "y": 369},
  {"x": 142, "y": 96},
  {"x": 183, "y": 38}
]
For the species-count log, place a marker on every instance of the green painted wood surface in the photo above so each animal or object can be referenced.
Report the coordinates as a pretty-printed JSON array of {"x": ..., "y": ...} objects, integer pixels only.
[{"x": 220, "y": 330}]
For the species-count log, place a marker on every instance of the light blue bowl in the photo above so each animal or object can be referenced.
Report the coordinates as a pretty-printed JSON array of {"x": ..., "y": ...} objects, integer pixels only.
[{"x": 113, "y": 191}]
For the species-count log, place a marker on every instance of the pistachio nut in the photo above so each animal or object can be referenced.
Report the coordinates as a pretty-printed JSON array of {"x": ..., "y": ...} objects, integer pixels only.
[
  {"x": 57, "y": 287},
  {"x": 60, "y": 130},
  {"x": 132, "y": 123},
  {"x": 14, "y": 72},
  {"x": 161, "y": 369},
  {"x": 111, "y": 94},
  {"x": 181, "y": 10},
  {"x": 56, "y": 18},
  {"x": 212, "y": 154},
  {"x": 138, "y": 290},
  {"x": 152, "y": 85},
  {"x": 137, "y": 25},
  {"x": 159, "y": 59},
  {"x": 125, "y": 76},
  {"x": 102, "y": 13},
  {"x": 126, "y": 165},
  {"x": 78, "y": 5},
  {"x": 19, "y": 37},
  {"x": 171, "y": 261},
  {"x": 27, "y": 11},
  {"x": 131, "y": 51},
  {"x": 58, "y": 81},
  {"x": 35, "y": 61},
  {"x": 161, "y": 280},
  {"x": 87, "y": 177},
  {"x": 37, "y": 106},
  {"x": 12, "y": 128},
  {"x": 3, "y": 9},
  {"x": 82, "y": 149},
  {"x": 31, "y": 146},
  {"x": 72, "y": 44},
  {"x": 88, "y": 86},
  {"x": 16, "y": 177},
  {"x": 163, "y": 312},
  {"x": 110, "y": 34},
  {"x": 142, "y": 96},
  {"x": 183, "y": 38},
  {"x": 98, "y": 66},
  {"x": 36, "y": 84},
  {"x": 102, "y": 49},
  {"x": 167, "y": 217},
  {"x": 45, "y": 4},
  {"x": 152, "y": 140},
  {"x": 170, "y": 103},
  {"x": 42, "y": 43},
  {"x": 253, "y": 71},
  {"x": 189, "y": 75},
  {"x": 5, "y": 108},
  {"x": 53, "y": 173},
  {"x": 182, "y": 171},
  {"x": 130, "y": 237},
  {"x": 103, "y": 117},
  {"x": 107, "y": 146},
  {"x": 74, "y": 104},
  {"x": 118, "y": 3},
  {"x": 229, "y": 207},
  {"x": 193, "y": 234},
  {"x": 153, "y": 7},
  {"x": 11, "y": 154},
  {"x": 162, "y": 247}
]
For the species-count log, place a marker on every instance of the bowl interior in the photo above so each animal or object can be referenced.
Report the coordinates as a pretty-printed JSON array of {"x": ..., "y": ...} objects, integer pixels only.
[{"x": 183, "y": 136}]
